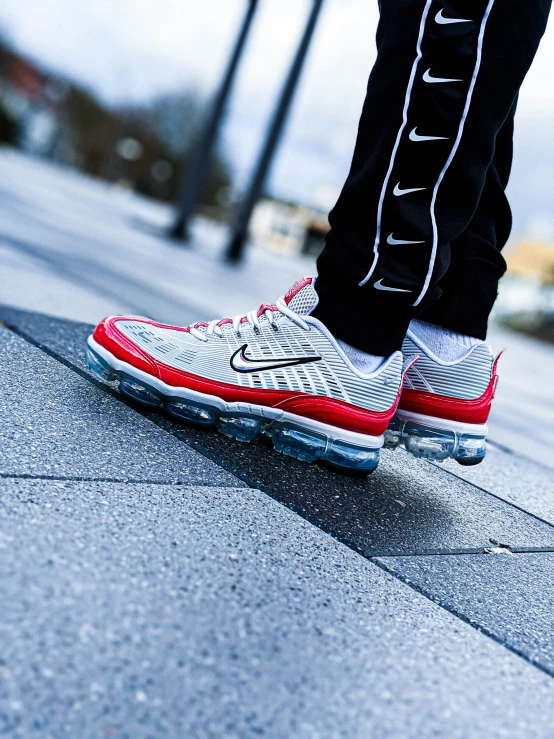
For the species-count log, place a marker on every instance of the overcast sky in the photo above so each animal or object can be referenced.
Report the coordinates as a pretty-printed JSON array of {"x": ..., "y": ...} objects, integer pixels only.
[{"x": 133, "y": 49}]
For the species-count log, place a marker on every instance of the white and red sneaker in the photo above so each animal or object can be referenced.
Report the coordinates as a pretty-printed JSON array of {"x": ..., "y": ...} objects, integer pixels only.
[
  {"x": 444, "y": 406},
  {"x": 276, "y": 370}
]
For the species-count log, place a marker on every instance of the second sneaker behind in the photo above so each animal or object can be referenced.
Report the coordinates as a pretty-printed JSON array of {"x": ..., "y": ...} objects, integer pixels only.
[{"x": 445, "y": 405}]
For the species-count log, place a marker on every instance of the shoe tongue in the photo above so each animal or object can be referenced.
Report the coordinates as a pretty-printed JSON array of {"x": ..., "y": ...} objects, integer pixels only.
[{"x": 302, "y": 297}]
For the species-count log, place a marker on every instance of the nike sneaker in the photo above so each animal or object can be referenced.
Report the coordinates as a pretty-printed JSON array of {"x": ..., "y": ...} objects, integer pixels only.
[
  {"x": 444, "y": 406},
  {"x": 276, "y": 370}
]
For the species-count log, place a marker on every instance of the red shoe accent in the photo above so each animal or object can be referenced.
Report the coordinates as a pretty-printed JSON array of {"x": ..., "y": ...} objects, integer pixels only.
[
  {"x": 107, "y": 335},
  {"x": 337, "y": 413},
  {"x": 453, "y": 409},
  {"x": 298, "y": 285},
  {"x": 317, "y": 407},
  {"x": 265, "y": 306}
]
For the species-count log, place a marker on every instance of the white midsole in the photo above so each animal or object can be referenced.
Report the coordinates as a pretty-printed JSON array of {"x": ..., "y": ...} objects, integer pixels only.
[
  {"x": 473, "y": 429},
  {"x": 276, "y": 414}
]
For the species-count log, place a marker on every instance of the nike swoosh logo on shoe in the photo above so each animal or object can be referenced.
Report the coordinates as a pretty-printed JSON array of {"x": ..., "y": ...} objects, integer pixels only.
[
  {"x": 427, "y": 77},
  {"x": 379, "y": 286},
  {"x": 393, "y": 242},
  {"x": 241, "y": 363},
  {"x": 414, "y": 136},
  {"x": 398, "y": 192},
  {"x": 442, "y": 21}
]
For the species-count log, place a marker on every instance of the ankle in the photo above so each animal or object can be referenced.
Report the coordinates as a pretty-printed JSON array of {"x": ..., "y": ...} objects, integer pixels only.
[{"x": 445, "y": 344}]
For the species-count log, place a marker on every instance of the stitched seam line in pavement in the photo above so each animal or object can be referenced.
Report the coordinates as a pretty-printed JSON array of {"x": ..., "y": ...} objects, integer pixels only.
[
  {"x": 456, "y": 552},
  {"x": 371, "y": 558},
  {"x": 478, "y": 627},
  {"x": 118, "y": 480}
]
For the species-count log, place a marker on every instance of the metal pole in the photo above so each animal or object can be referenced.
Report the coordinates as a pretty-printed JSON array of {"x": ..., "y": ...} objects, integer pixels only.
[
  {"x": 197, "y": 174},
  {"x": 240, "y": 233}
]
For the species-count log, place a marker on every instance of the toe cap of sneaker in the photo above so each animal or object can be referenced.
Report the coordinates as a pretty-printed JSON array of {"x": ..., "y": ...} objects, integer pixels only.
[{"x": 109, "y": 337}]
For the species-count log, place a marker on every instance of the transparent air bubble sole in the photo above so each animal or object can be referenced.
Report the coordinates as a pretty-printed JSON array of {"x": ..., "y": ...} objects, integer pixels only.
[
  {"x": 288, "y": 438},
  {"x": 427, "y": 442}
]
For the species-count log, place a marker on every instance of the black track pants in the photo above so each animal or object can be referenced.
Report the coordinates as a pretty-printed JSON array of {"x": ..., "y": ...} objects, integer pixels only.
[{"x": 423, "y": 216}]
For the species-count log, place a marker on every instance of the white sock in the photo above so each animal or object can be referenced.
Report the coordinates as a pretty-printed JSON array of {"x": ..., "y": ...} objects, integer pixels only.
[
  {"x": 362, "y": 361},
  {"x": 446, "y": 345}
]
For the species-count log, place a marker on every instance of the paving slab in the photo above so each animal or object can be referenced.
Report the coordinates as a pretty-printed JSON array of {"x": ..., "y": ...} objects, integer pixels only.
[
  {"x": 149, "y": 610},
  {"x": 522, "y": 416},
  {"x": 67, "y": 339},
  {"x": 25, "y": 277},
  {"x": 407, "y": 506},
  {"x": 510, "y": 596},
  {"x": 527, "y": 484},
  {"x": 55, "y": 423}
]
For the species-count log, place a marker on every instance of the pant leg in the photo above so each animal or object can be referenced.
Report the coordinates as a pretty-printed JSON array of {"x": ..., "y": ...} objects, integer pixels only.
[
  {"x": 470, "y": 286},
  {"x": 445, "y": 80}
]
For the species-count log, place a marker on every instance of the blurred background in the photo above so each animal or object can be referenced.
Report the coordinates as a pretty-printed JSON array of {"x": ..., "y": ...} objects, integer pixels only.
[{"x": 178, "y": 159}]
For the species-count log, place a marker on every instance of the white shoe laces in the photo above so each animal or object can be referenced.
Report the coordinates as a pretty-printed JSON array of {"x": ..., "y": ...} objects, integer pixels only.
[{"x": 213, "y": 328}]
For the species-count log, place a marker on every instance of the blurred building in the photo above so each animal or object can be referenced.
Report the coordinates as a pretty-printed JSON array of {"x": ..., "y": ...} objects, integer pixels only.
[
  {"x": 526, "y": 297},
  {"x": 48, "y": 116},
  {"x": 29, "y": 102},
  {"x": 532, "y": 260},
  {"x": 289, "y": 228}
]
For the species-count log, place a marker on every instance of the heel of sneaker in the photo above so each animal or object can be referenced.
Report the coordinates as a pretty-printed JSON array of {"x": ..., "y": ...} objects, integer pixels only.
[{"x": 437, "y": 444}]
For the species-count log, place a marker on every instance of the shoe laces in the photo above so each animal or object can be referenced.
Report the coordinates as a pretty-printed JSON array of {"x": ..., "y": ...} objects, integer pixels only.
[{"x": 213, "y": 328}]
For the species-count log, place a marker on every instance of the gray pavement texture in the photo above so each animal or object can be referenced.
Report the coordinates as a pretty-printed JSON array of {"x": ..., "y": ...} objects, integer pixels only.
[
  {"x": 518, "y": 480},
  {"x": 150, "y": 610},
  {"x": 55, "y": 423},
  {"x": 508, "y": 595},
  {"x": 163, "y": 595}
]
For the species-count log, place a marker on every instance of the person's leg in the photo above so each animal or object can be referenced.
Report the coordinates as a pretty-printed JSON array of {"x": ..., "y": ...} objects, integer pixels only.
[
  {"x": 444, "y": 83},
  {"x": 476, "y": 263}
]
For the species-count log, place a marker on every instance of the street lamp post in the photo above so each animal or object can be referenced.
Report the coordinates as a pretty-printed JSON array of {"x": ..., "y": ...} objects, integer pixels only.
[
  {"x": 195, "y": 179},
  {"x": 240, "y": 233}
]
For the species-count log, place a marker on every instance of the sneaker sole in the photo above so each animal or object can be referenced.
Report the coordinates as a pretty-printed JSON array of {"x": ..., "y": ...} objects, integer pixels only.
[
  {"x": 292, "y": 435},
  {"x": 437, "y": 439}
]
